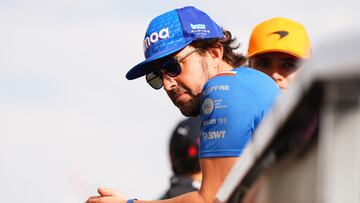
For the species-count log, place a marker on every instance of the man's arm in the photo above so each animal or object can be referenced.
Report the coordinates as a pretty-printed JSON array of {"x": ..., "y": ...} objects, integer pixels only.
[{"x": 214, "y": 172}]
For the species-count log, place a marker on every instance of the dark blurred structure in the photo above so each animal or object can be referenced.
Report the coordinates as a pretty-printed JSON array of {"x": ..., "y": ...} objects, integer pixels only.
[{"x": 184, "y": 157}]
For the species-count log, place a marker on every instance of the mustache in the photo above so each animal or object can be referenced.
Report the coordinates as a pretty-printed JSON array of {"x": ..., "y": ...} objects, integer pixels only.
[{"x": 173, "y": 93}]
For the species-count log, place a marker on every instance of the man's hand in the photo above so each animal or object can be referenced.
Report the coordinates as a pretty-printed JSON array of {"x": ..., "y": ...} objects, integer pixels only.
[{"x": 107, "y": 195}]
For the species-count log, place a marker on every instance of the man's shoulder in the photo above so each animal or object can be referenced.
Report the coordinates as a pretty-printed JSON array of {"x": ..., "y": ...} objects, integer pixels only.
[
  {"x": 238, "y": 73},
  {"x": 224, "y": 78},
  {"x": 238, "y": 79}
]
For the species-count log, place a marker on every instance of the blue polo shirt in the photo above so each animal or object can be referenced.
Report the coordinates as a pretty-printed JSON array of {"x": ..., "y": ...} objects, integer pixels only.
[{"x": 232, "y": 106}]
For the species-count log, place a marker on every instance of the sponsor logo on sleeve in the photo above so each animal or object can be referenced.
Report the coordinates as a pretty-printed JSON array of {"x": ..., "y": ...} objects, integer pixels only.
[
  {"x": 209, "y": 122},
  {"x": 216, "y": 88},
  {"x": 222, "y": 121},
  {"x": 213, "y": 121},
  {"x": 218, "y": 104},
  {"x": 210, "y": 135},
  {"x": 207, "y": 106}
]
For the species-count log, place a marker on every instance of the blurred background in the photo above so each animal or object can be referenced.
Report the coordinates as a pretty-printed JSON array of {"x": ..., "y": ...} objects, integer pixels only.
[{"x": 70, "y": 121}]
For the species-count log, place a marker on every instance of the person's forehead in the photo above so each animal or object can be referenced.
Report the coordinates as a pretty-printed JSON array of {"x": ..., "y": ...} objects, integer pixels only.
[{"x": 275, "y": 55}]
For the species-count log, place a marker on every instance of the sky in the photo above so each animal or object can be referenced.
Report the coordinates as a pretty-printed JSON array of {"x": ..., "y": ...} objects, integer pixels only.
[{"x": 70, "y": 121}]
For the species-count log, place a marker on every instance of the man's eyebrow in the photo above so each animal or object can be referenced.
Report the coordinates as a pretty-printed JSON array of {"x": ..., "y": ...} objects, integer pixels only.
[
  {"x": 264, "y": 58},
  {"x": 290, "y": 59}
]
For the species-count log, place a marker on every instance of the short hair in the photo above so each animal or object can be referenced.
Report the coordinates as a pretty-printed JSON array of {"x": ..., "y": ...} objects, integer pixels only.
[{"x": 228, "y": 43}]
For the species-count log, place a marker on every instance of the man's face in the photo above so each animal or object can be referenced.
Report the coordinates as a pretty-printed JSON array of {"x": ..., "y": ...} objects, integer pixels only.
[
  {"x": 282, "y": 67},
  {"x": 184, "y": 90}
]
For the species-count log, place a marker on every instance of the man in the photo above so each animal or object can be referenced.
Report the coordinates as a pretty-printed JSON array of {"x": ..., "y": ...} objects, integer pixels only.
[
  {"x": 189, "y": 55},
  {"x": 184, "y": 157},
  {"x": 277, "y": 47}
]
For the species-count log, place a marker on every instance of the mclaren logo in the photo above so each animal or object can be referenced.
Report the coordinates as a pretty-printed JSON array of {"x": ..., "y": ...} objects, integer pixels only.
[{"x": 281, "y": 34}]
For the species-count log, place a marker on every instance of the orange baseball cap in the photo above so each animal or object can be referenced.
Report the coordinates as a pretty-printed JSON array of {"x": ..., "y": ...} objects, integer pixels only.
[{"x": 280, "y": 35}]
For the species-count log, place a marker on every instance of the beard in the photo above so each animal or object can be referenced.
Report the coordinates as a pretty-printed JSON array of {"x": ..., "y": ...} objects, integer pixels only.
[
  {"x": 188, "y": 108},
  {"x": 192, "y": 106}
]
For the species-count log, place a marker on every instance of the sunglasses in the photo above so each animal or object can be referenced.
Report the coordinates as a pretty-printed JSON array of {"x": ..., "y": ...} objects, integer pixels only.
[{"x": 170, "y": 67}]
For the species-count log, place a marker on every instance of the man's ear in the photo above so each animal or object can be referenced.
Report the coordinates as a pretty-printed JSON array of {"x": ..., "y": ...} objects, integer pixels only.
[
  {"x": 216, "y": 52},
  {"x": 216, "y": 55}
]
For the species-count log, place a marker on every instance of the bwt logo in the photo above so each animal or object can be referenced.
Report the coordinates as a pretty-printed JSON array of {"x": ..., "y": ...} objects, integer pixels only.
[
  {"x": 154, "y": 37},
  {"x": 198, "y": 26},
  {"x": 213, "y": 135}
]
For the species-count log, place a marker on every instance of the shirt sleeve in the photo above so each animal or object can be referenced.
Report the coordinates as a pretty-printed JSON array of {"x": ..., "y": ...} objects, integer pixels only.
[{"x": 229, "y": 114}]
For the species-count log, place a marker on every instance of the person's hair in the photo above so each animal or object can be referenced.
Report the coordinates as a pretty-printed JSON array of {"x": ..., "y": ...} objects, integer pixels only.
[{"x": 229, "y": 45}]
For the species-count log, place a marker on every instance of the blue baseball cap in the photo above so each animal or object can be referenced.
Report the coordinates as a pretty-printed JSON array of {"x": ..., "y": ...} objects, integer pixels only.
[{"x": 172, "y": 31}]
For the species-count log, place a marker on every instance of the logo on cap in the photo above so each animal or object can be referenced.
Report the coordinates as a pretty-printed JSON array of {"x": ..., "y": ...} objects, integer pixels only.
[
  {"x": 198, "y": 26},
  {"x": 282, "y": 34},
  {"x": 155, "y": 36}
]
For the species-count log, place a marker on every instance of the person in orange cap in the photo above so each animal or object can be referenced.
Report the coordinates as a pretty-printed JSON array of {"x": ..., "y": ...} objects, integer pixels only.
[{"x": 277, "y": 47}]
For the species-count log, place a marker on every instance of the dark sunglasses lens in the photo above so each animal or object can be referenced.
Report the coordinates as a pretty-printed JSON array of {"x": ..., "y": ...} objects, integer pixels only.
[
  {"x": 154, "y": 80},
  {"x": 151, "y": 76},
  {"x": 172, "y": 67}
]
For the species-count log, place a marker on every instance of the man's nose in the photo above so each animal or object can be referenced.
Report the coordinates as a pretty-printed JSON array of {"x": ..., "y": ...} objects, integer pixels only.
[
  {"x": 277, "y": 76},
  {"x": 168, "y": 82}
]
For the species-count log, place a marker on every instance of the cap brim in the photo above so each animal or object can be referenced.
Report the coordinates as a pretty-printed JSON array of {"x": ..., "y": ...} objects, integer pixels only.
[{"x": 143, "y": 68}]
